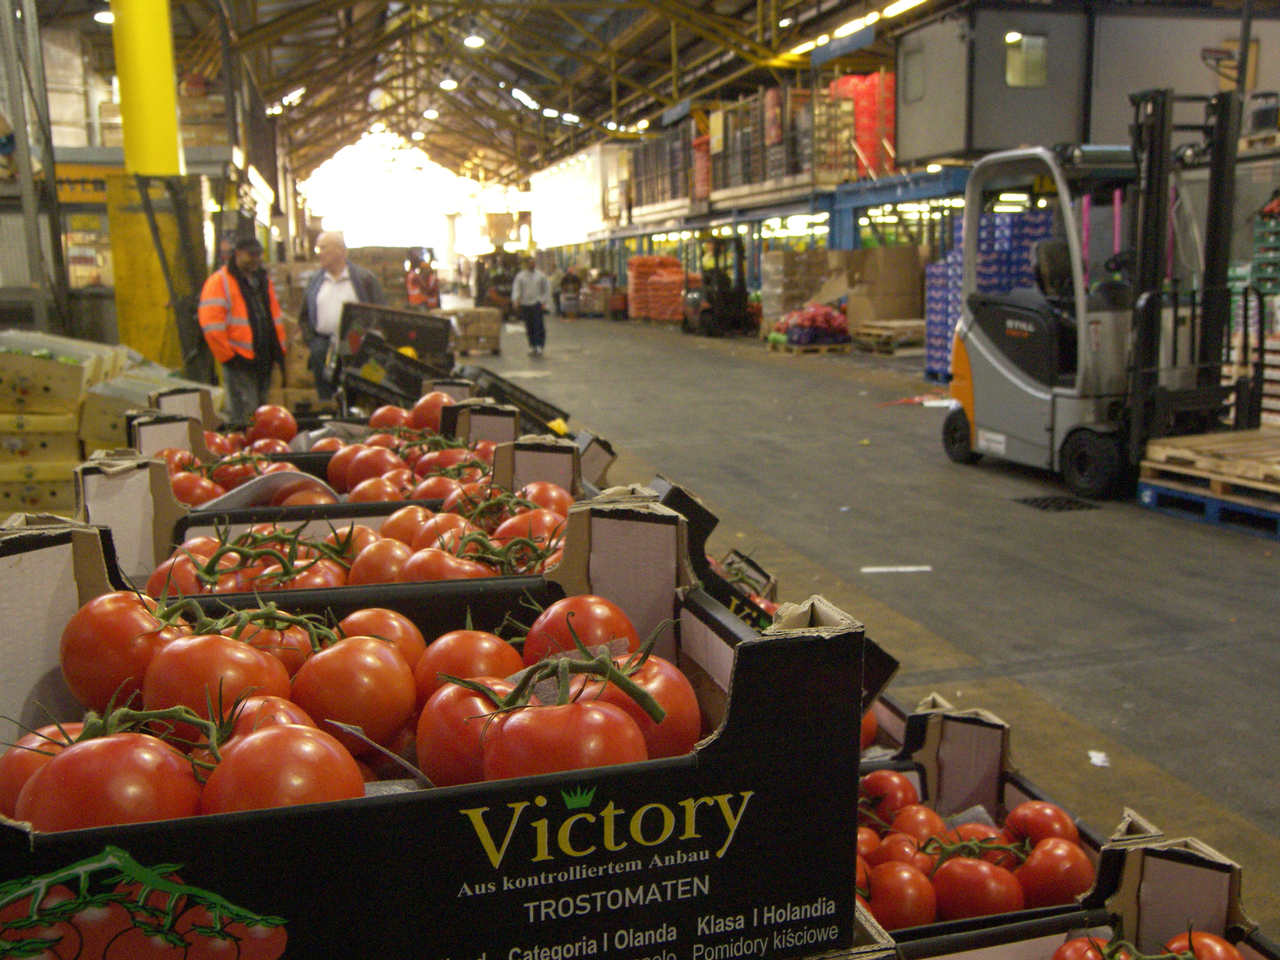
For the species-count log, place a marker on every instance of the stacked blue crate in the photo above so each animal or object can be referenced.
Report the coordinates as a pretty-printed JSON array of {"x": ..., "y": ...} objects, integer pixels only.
[{"x": 1005, "y": 242}]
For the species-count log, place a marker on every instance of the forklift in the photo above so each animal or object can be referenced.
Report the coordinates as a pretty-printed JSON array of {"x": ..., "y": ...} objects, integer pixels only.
[
  {"x": 495, "y": 273},
  {"x": 720, "y": 305},
  {"x": 1121, "y": 340}
]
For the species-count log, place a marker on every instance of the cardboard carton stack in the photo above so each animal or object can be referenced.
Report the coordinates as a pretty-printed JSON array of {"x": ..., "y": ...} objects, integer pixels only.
[
  {"x": 789, "y": 279},
  {"x": 43, "y": 381},
  {"x": 885, "y": 283},
  {"x": 477, "y": 330}
]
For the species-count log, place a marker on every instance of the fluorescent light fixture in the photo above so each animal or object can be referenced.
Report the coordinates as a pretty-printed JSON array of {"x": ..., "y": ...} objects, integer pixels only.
[
  {"x": 742, "y": 228},
  {"x": 803, "y": 48},
  {"x": 378, "y": 127},
  {"x": 275, "y": 110},
  {"x": 871, "y": 17},
  {"x": 642, "y": 125},
  {"x": 524, "y": 98},
  {"x": 474, "y": 41},
  {"x": 823, "y": 40},
  {"x": 611, "y": 125},
  {"x": 785, "y": 22},
  {"x": 293, "y": 96},
  {"x": 1042, "y": 203},
  {"x": 104, "y": 16},
  {"x": 551, "y": 112},
  {"x": 900, "y": 6},
  {"x": 431, "y": 113},
  {"x": 1014, "y": 197},
  {"x": 845, "y": 29},
  {"x": 570, "y": 118},
  {"x": 1008, "y": 208},
  {"x": 417, "y": 135},
  {"x": 1013, "y": 36},
  {"x": 448, "y": 83},
  {"x": 933, "y": 168}
]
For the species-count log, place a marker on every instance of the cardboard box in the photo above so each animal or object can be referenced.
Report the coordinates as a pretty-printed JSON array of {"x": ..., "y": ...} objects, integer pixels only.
[
  {"x": 25, "y": 437},
  {"x": 41, "y": 373},
  {"x": 862, "y": 309},
  {"x": 690, "y": 858}
]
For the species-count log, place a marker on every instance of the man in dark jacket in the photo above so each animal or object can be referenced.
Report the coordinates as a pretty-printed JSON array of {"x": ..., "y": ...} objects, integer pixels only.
[{"x": 340, "y": 281}]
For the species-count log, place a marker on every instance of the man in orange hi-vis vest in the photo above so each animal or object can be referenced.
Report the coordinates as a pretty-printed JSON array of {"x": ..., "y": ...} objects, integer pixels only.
[{"x": 240, "y": 319}]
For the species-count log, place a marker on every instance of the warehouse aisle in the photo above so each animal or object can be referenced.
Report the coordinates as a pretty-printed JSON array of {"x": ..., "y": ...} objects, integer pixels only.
[{"x": 1129, "y": 651}]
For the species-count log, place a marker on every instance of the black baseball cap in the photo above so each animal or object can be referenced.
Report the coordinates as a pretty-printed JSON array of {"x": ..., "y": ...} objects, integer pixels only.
[{"x": 249, "y": 243}]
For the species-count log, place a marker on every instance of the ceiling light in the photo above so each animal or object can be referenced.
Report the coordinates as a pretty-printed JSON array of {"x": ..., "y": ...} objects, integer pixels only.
[
  {"x": 803, "y": 48},
  {"x": 448, "y": 83},
  {"x": 378, "y": 127},
  {"x": 570, "y": 118},
  {"x": 275, "y": 110},
  {"x": 104, "y": 16},
  {"x": 845, "y": 29},
  {"x": 417, "y": 135},
  {"x": 642, "y": 125},
  {"x": 551, "y": 112},
  {"x": 474, "y": 41},
  {"x": 933, "y": 168},
  {"x": 293, "y": 96},
  {"x": 431, "y": 113},
  {"x": 611, "y": 125},
  {"x": 785, "y": 22},
  {"x": 1013, "y": 36},
  {"x": 823, "y": 40},
  {"x": 901, "y": 6}
]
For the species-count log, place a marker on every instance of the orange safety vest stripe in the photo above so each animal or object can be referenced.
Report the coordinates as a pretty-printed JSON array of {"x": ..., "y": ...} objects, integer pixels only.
[{"x": 224, "y": 317}]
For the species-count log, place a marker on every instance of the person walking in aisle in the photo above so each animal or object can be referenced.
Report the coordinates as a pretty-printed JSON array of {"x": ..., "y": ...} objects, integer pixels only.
[
  {"x": 340, "y": 281},
  {"x": 531, "y": 295},
  {"x": 240, "y": 319}
]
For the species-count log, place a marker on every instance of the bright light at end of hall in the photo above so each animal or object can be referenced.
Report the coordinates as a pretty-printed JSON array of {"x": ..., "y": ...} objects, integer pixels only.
[
  {"x": 104, "y": 16},
  {"x": 901, "y": 6},
  {"x": 1013, "y": 36},
  {"x": 448, "y": 83}
]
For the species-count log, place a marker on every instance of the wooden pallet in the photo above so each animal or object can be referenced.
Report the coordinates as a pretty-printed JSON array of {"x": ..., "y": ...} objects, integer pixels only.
[
  {"x": 1245, "y": 492},
  {"x": 1242, "y": 455},
  {"x": 889, "y": 336},
  {"x": 810, "y": 347},
  {"x": 1236, "y": 513}
]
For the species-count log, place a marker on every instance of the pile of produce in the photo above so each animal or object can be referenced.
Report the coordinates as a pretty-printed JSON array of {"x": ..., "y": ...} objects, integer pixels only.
[{"x": 813, "y": 324}]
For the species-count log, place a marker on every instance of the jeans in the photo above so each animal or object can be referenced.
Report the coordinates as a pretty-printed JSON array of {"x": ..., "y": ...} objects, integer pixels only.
[
  {"x": 534, "y": 327},
  {"x": 247, "y": 386},
  {"x": 316, "y": 364}
]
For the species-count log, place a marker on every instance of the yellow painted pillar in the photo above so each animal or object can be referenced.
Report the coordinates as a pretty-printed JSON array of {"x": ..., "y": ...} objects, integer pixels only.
[{"x": 143, "y": 39}]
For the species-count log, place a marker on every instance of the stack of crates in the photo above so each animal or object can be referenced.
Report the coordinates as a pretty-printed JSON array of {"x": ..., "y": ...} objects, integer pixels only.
[
  {"x": 1005, "y": 242},
  {"x": 942, "y": 281}
]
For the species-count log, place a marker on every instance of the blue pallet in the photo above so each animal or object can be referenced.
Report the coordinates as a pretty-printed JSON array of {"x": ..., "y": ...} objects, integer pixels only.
[{"x": 1180, "y": 502}]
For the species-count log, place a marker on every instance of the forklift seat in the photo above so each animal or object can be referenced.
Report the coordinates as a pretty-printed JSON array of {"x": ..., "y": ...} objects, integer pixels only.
[{"x": 1051, "y": 260}]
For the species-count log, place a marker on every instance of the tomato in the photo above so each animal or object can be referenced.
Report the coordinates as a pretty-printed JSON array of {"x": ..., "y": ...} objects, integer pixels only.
[
  {"x": 548, "y": 495},
  {"x": 382, "y": 440},
  {"x": 361, "y": 681},
  {"x": 290, "y": 646},
  {"x": 571, "y": 736},
  {"x": 1086, "y": 948},
  {"x": 387, "y": 625},
  {"x": 900, "y": 896},
  {"x": 317, "y": 575},
  {"x": 430, "y": 564},
  {"x": 216, "y": 444},
  {"x": 593, "y": 620},
  {"x": 146, "y": 943},
  {"x": 107, "y": 645},
  {"x": 1204, "y": 946},
  {"x": 282, "y": 765},
  {"x": 194, "y": 490},
  {"x": 886, "y": 792},
  {"x": 269, "y": 445},
  {"x": 272, "y": 420},
  {"x": 303, "y": 484},
  {"x": 374, "y": 490},
  {"x": 120, "y": 778},
  {"x": 28, "y": 754},
  {"x": 327, "y": 445},
  {"x": 900, "y": 848},
  {"x": 1036, "y": 820},
  {"x": 435, "y": 488},
  {"x": 200, "y": 546},
  {"x": 379, "y": 562},
  {"x": 450, "y": 728},
  {"x": 230, "y": 474},
  {"x": 370, "y": 463},
  {"x": 868, "y": 840},
  {"x": 680, "y": 729},
  {"x": 308, "y": 498},
  {"x": 433, "y": 530},
  {"x": 210, "y": 669},
  {"x": 402, "y": 479},
  {"x": 336, "y": 471},
  {"x": 425, "y": 414},
  {"x": 465, "y": 654},
  {"x": 256, "y": 712},
  {"x": 543, "y": 527},
  {"x": 389, "y": 416},
  {"x": 434, "y": 461},
  {"x": 919, "y": 822},
  {"x": 405, "y": 523},
  {"x": 966, "y": 887},
  {"x": 176, "y": 577},
  {"x": 870, "y": 728},
  {"x": 1055, "y": 872},
  {"x": 176, "y": 459},
  {"x": 351, "y": 539}
]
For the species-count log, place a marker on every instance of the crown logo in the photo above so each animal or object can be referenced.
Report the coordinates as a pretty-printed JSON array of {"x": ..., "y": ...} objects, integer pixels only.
[{"x": 578, "y": 799}]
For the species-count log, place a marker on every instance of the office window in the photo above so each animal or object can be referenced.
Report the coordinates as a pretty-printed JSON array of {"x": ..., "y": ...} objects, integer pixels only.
[{"x": 1026, "y": 60}]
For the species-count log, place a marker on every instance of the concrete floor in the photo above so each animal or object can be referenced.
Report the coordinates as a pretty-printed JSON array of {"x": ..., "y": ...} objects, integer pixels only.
[{"x": 1147, "y": 638}]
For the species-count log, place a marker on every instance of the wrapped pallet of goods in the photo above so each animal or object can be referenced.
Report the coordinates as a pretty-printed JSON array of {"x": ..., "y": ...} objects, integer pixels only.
[{"x": 640, "y": 271}]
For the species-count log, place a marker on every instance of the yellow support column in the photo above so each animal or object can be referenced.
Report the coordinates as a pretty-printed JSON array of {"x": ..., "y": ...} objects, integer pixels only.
[{"x": 143, "y": 39}]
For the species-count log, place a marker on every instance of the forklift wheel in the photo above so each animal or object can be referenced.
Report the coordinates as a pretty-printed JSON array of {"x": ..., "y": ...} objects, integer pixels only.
[
  {"x": 955, "y": 438},
  {"x": 1091, "y": 464}
]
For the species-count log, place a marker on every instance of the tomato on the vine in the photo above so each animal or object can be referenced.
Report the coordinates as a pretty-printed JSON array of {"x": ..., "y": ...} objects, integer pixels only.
[
  {"x": 1055, "y": 872},
  {"x": 389, "y": 625},
  {"x": 379, "y": 562},
  {"x": 449, "y": 732},
  {"x": 547, "y": 495},
  {"x": 465, "y": 654},
  {"x": 1204, "y": 946},
  {"x": 680, "y": 729},
  {"x": 885, "y": 792},
  {"x": 593, "y": 620},
  {"x": 966, "y": 887},
  {"x": 272, "y": 420},
  {"x": 28, "y": 754},
  {"x": 107, "y": 646},
  {"x": 559, "y": 737},
  {"x": 1037, "y": 820},
  {"x": 282, "y": 765},
  {"x": 425, "y": 413},
  {"x": 900, "y": 896}
]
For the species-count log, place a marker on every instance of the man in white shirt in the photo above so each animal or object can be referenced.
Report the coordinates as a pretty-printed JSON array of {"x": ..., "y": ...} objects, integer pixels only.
[
  {"x": 531, "y": 295},
  {"x": 338, "y": 282}
]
